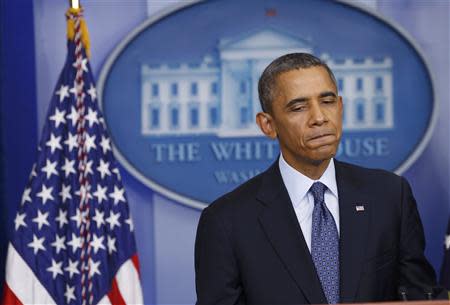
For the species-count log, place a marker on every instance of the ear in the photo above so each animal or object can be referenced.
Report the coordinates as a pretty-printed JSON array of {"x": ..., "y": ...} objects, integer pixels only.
[
  {"x": 341, "y": 105},
  {"x": 266, "y": 124}
]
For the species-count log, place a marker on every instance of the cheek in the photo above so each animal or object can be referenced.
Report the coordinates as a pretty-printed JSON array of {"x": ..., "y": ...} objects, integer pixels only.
[
  {"x": 339, "y": 127},
  {"x": 292, "y": 131},
  {"x": 296, "y": 136},
  {"x": 336, "y": 120}
]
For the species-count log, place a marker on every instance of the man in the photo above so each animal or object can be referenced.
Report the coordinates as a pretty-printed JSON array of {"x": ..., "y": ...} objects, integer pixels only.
[{"x": 311, "y": 229}]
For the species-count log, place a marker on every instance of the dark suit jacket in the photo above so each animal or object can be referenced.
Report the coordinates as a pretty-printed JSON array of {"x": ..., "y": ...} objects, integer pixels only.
[{"x": 250, "y": 248}]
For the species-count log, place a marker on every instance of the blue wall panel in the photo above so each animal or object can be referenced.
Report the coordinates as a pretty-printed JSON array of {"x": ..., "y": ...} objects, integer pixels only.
[{"x": 17, "y": 110}]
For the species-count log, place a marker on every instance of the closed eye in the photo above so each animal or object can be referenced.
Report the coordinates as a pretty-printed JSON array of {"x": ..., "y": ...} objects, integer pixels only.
[
  {"x": 298, "y": 107},
  {"x": 298, "y": 104}
]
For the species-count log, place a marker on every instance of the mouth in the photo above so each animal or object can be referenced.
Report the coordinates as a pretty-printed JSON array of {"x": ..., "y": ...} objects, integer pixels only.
[{"x": 321, "y": 139}]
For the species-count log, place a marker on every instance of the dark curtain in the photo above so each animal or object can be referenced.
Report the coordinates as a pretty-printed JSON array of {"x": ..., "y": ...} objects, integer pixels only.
[{"x": 18, "y": 116}]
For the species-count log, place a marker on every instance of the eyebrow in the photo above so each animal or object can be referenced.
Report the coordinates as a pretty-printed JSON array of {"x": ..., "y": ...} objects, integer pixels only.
[
  {"x": 327, "y": 94},
  {"x": 305, "y": 99}
]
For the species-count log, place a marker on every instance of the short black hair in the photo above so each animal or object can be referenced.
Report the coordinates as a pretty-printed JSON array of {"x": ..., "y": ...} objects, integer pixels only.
[{"x": 285, "y": 63}]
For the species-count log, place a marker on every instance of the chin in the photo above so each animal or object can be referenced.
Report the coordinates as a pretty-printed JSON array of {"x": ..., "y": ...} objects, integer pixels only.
[{"x": 324, "y": 155}]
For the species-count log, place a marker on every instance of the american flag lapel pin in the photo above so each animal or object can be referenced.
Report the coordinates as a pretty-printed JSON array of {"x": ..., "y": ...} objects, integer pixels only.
[{"x": 359, "y": 208}]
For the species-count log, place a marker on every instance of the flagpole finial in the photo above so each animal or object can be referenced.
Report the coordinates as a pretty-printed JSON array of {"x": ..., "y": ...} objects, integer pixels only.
[
  {"x": 75, "y": 12},
  {"x": 75, "y": 4}
]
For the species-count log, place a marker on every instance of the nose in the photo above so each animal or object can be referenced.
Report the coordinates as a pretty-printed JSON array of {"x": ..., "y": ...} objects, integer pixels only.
[{"x": 317, "y": 116}]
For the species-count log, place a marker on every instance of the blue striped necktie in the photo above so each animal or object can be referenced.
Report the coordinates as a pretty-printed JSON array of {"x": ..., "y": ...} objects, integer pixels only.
[{"x": 325, "y": 245}]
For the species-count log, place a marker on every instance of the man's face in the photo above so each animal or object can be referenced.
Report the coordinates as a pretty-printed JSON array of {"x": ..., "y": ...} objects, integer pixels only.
[{"x": 306, "y": 116}]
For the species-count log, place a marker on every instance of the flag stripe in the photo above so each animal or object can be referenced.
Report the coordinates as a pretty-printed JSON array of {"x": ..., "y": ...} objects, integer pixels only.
[
  {"x": 128, "y": 274},
  {"x": 105, "y": 301},
  {"x": 9, "y": 298},
  {"x": 114, "y": 294},
  {"x": 22, "y": 281},
  {"x": 135, "y": 260}
]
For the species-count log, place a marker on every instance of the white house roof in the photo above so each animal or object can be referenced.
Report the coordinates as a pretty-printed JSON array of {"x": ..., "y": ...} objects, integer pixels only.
[
  {"x": 261, "y": 44},
  {"x": 264, "y": 39}
]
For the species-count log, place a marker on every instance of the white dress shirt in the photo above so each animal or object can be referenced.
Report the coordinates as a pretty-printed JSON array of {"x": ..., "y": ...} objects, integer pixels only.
[{"x": 298, "y": 186}]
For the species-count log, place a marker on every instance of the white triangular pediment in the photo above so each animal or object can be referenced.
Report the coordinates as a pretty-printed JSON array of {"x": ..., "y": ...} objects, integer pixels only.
[{"x": 264, "y": 39}]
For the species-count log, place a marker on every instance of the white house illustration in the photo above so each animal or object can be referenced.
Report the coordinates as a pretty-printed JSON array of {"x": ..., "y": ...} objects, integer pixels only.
[{"x": 220, "y": 94}]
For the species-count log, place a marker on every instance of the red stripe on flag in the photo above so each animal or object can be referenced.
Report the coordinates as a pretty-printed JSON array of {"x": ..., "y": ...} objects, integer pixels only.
[
  {"x": 114, "y": 295},
  {"x": 9, "y": 298},
  {"x": 135, "y": 261}
]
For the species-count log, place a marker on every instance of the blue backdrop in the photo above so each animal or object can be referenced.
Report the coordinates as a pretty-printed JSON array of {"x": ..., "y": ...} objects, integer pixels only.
[
  {"x": 32, "y": 52},
  {"x": 18, "y": 120}
]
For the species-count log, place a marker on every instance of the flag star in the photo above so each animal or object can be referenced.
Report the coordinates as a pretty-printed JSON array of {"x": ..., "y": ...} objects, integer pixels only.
[
  {"x": 100, "y": 193},
  {"x": 129, "y": 221},
  {"x": 102, "y": 121},
  {"x": 41, "y": 219},
  {"x": 71, "y": 141},
  {"x": 97, "y": 243},
  {"x": 75, "y": 243},
  {"x": 90, "y": 142},
  {"x": 111, "y": 244},
  {"x": 73, "y": 90},
  {"x": 33, "y": 170},
  {"x": 93, "y": 267},
  {"x": 73, "y": 116},
  {"x": 81, "y": 62},
  {"x": 103, "y": 168},
  {"x": 447, "y": 242},
  {"x": 20, "y": 221},
  {"x": 113, "y": 220},
  {"x": 99, "y": 218},
  {"x": 88, "y": 168},
  {"x": 83, "y": 192},
  {"x": 117, "y": 195},
  {"x": 105, "y": 144},
  {"x": 26, "y": 195},
  {"x": 76, "y": 88},
  {"x": 55, "y": 269},
  {"x": 68, "y": 167},
  {"x": 69, "y": 294},
  {"x": 92, "y": 117},
  {"x": 45, "y": 194},
  {"x": 116, "y": 171},
  {"x": 92, "y": 92},
  {"x": 54, "y": 143},
  {"x": 62, "y": 218},
  {"x": 72, "y": 268},
  {"x": 37, "y": 244},
  {"x": 79, "y": 217},
  {"x": 50, "y": 168},
  {"x": 63, "y": 92},
  {"x": 65, "y": 193},
  {"x": 58, "y": 117},
  {"x": 59, "y": 243}
]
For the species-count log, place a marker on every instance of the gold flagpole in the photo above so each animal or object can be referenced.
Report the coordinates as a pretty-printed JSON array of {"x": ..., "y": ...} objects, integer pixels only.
[{"x": 74, "y": 4}]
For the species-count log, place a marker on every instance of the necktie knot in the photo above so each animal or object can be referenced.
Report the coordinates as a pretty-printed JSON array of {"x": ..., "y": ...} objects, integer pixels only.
[{"x": 318, "y": 191}]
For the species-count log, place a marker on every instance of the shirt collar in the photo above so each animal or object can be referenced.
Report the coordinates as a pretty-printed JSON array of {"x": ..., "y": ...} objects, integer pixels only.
[{"x": 298, "y": 184}]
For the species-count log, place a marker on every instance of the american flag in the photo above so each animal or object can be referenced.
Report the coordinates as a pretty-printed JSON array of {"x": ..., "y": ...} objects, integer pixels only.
[
  {"x": 73, "y": 240},
  {"x": 445, "y": 269}
]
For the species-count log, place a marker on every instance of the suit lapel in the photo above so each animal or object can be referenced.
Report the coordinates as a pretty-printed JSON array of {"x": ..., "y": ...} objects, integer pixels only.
[
  {"x": 354, "y": 212},
  {"x": 280, "y": 224}
]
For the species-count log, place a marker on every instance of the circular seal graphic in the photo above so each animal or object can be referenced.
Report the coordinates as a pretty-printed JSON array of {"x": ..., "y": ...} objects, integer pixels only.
[{"x": 179, "y": 94}]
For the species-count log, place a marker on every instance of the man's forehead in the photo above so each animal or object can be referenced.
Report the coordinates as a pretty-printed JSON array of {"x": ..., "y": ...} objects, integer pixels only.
[
  {"x": 303, "y": 77},
  {"x": 310, "y": 71}
]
